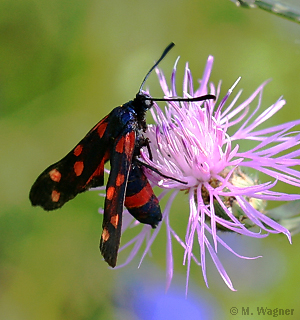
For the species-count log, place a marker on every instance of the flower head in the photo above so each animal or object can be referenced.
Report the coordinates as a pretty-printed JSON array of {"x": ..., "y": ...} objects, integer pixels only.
[{"x": 190, "y": 142}]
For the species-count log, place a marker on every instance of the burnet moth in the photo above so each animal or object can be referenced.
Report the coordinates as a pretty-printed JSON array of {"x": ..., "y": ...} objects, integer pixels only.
[{"x": 117, "y": 138}]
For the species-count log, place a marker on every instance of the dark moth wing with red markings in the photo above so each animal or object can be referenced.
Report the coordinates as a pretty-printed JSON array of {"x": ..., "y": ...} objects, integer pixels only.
[
  {"x": 82, "y": 168},
  {"x": 118, "y": 138},
  {"x": 140, "y": 199},
  {"x": 122, "y": 154}
]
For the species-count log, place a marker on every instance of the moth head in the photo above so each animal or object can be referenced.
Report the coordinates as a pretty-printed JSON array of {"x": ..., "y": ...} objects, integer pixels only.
[{"x": 143, "y": 101}]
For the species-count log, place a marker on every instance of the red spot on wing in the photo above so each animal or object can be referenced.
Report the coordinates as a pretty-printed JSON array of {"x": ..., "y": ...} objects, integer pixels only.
[
  {"x": 110, "y": 193},
  {"x": 55, "y": 195},
  {"x": 55, "y": 175},
  {"x": 140, "y": 198},
  {"x": 114, "y": 220},
  {"x": 129, "y": 143},
  {"x": 126, "y": 144},
  {"x": 78, "y": 168},
  {"x": 105, "y": 235},
  {"x": 102, "y": 127},
  {"x": 77, "y": 151},
  {"x": 120, "y": 145},
  {"x": 120, "y": 179}
]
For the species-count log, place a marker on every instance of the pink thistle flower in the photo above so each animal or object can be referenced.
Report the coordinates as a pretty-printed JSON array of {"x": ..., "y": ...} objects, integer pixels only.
[{"x": 190, "y": 142}]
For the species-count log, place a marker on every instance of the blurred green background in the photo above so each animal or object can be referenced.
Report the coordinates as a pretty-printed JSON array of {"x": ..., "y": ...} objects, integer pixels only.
[{"x": 63, "y": 66}]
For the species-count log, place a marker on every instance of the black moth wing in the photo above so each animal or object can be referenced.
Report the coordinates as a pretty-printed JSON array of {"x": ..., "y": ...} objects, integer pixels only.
[
  {"x": 121, "y": 161},
  {"x": 82, "y": 168}
]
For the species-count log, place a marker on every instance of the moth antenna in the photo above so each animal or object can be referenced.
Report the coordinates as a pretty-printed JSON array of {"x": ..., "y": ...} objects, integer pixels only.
[
  {"x": 200, "y": 98},
  {"x": 168, "y": 48}
]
